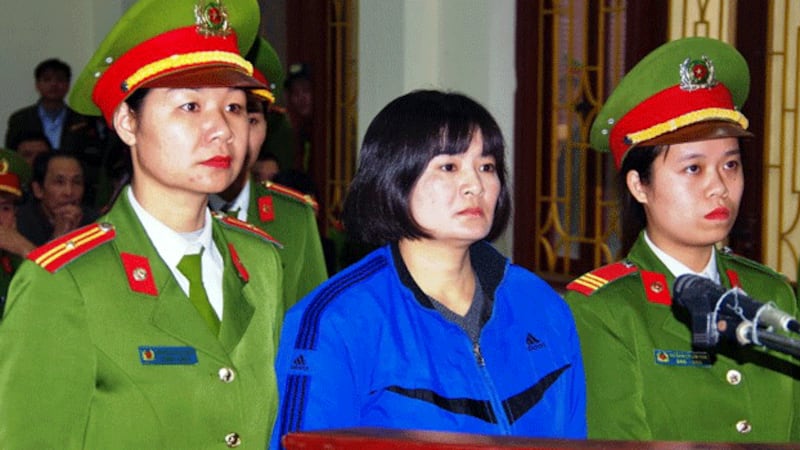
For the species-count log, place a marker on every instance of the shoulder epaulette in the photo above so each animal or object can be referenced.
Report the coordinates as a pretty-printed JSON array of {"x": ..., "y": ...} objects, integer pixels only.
[
  {"x": 590, "y": 282},
  {"x": 728, "y": 254},
  {"x": 277, "y": 109},
  {"x": 60, "y": 251},
  {"x": 237, "y": 224},
  {"x": 292, "y": 193}
]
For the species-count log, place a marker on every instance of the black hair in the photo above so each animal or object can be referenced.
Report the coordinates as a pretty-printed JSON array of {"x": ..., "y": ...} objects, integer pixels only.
[
  {"x": 42, "y": 161},
  {"x": 256, "y": 104},
  {"x": 634, "y": 219},
  {"x": 28, "y": 135},
  {"x": 399, "y": 142},
  {"x": 52, "y": 64},
  {"x": 136, "y": 99}
]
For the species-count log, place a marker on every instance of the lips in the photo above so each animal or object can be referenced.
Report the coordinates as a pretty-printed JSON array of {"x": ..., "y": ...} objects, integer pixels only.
[
  {"x": 476, "y": 212},
  {"x": 720, "y": 213},
  {"x": 220, "y": 162}
]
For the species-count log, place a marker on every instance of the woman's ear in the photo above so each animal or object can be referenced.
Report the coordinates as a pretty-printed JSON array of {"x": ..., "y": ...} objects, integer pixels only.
[
  {"x": 635, "y": 186},
  {"x": 124, "y": 121}
]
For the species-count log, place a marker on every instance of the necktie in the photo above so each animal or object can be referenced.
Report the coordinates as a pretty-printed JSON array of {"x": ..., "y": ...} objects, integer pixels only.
[
  {"x": 190, "y": 267},
  {"x": 228, "y": 209}
]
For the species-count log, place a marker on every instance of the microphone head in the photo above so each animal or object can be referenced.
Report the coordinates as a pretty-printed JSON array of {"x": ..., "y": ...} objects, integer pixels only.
[{"x": 695, "y": 293}]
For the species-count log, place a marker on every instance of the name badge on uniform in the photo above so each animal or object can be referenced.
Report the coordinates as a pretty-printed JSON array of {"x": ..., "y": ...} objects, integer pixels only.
[
  {"x": 682, "y": 358},
  {"x": 175, "y": 356}
]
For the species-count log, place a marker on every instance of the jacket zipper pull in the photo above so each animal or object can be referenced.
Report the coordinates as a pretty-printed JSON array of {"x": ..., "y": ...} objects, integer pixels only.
[{"x": 476, "y": 350}]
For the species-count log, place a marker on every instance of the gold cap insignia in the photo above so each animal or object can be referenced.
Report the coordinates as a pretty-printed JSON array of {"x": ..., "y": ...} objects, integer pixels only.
[{"x": 211, "y": 18}]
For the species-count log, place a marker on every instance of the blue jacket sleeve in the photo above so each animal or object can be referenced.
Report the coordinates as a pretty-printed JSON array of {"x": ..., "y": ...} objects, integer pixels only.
[{"x": 317, "y": 379}]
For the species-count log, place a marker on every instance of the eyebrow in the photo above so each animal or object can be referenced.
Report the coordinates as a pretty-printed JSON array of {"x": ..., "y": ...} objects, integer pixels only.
[{"x": 694, "y": 155}]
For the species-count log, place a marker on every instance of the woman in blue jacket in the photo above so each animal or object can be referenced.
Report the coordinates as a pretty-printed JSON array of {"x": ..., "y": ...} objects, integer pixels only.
[{"x": 435, "y": 330}]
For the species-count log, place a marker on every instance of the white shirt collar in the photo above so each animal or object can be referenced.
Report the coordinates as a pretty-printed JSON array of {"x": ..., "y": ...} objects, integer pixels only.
[
  {"x": 171, "y": 245},
  {"x": 241, "y": 202},
  {"x": 678, "y": 268}
]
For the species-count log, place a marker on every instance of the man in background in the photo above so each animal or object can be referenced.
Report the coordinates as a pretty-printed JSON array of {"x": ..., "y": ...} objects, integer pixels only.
[{"x": 57, "y": 207}]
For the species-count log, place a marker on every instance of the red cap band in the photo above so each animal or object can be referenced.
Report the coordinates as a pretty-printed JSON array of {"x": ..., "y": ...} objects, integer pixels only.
[{"x": 176, "y": 50}]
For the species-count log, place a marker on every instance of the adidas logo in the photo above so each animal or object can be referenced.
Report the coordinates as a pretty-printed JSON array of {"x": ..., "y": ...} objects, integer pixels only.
[
  {"x": 299, "y": 363},
  {"x": 533, "y": 343}
]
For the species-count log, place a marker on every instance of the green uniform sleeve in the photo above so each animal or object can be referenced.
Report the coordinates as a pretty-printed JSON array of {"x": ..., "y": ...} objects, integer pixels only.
[
  {"x": 48, "y": 363},
  {"x": 312, "y": 271},
  {"x": 614, "y": 384}
]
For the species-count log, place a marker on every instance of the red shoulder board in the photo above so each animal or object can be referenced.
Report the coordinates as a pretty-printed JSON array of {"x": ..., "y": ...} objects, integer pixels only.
[
  {"x": 589, "y": 282},
  {"x": 292, "y": 193},
  {"x": 58, "y": 252},
  {"x": 242, "y": 225}
]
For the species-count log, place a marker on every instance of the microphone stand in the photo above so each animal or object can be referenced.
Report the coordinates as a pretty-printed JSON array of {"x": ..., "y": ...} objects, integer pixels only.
[{"x": 746, "y": 333}]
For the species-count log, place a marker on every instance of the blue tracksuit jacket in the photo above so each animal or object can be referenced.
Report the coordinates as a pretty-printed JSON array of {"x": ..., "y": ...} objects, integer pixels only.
[{"x": 368, "y": 349}]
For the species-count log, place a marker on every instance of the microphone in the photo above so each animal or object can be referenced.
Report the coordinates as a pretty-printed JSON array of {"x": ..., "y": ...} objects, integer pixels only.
[{"x": 703, "y": 297}]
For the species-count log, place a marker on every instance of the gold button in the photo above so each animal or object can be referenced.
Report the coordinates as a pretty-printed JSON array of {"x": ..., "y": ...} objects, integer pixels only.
[
  {"x": 657, "y": 287},
  {"x": 70, "y": 245},
  {"x": 226, "y": 375},
  {"x": 743, "y": 427},
  {"x": 233, "y": 440},
  {"x": 734, "y": 377}
]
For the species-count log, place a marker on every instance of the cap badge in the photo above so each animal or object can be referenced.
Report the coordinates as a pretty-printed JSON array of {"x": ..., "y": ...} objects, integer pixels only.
[
  {"x": 697, "y": 74},
  {"x": 211, "y": 18},
  {"x": 3, "y": 166}
]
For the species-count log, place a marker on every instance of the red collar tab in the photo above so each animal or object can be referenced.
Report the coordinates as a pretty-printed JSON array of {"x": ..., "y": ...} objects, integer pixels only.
[
  {"x": 656, "y": 288},
  {"x": 243, "y": 274},
  {"x": 733, "y": 277},
  {"x": 139, "y": 274},
  {"x": 266, "y": 212}
]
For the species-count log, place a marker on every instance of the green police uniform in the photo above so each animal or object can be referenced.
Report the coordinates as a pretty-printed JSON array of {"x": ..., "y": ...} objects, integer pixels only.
[
  {"x": 103, "y": 347},
  {"x": 289, "y": 217},
  {"x": 644, "y": 380},
  {"x": 115, "y": 356},
  {"x": 15, "y": 175},
  {"x": 9, "y": 264}
]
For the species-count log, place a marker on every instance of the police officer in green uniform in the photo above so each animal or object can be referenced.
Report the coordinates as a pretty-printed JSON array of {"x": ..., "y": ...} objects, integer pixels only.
[
  {"x": 155, "y": 327},
  {"x": 673, "y": 126},
  {"x": 282, "y": 212},
  {"x": 14, "y": 173}
]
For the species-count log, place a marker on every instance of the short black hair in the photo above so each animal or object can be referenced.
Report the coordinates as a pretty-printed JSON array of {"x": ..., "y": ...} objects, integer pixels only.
[
  {"x": 398, "y": 144},
  {"x": 52, "y": 64},
  {"x": 28, "y": 135},
  {"x": 42, "y": 161}
]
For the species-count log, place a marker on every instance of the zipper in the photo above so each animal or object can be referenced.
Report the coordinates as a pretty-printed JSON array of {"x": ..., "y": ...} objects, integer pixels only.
[{"x": 494, "y": 400}]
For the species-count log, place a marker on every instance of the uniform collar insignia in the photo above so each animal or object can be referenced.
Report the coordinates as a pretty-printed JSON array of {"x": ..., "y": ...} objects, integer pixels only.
[{"x": 139, "y": 274}]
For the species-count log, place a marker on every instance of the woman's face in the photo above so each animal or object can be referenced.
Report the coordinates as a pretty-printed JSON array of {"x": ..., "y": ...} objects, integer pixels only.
[
  {"x": 191, "y": 140},
  {"x": 455, "y": 197},
  {"x": 694, "y": 194},
  {"x": 8, "y": 218}
]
